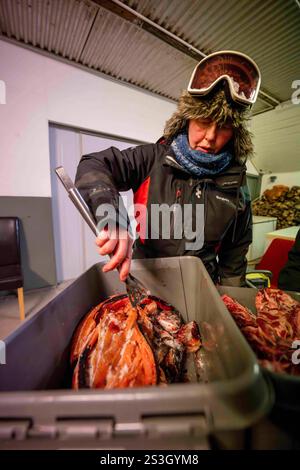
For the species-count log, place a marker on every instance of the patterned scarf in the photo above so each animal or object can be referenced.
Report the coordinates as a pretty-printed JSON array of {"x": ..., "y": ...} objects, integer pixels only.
[{"x": 199, "y": 163}]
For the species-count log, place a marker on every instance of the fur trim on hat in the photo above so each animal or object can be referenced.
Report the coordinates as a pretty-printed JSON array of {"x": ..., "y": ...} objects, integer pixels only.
[{"x": 217, "y": 108}]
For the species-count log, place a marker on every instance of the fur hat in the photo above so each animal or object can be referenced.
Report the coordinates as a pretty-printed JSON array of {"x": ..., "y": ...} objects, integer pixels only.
[{"x": 216, "y": 107}]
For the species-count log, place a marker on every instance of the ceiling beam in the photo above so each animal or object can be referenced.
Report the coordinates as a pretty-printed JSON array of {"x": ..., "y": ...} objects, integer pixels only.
[
  {"x": 151, "y": 27},
  {"x": 131, "y": 15}
]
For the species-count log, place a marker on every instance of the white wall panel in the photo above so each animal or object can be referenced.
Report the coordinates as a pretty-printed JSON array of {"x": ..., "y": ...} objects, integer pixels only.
[
  {"x": 277, "y": 139},
  {"x": 39, "y": 90}
]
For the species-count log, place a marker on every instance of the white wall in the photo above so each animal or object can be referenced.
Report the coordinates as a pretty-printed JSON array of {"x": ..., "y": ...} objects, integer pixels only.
[
  {"x": 288, "y": 179},
  {"x": 40, "y": 89},
  {"x": 277, "y": 139}
]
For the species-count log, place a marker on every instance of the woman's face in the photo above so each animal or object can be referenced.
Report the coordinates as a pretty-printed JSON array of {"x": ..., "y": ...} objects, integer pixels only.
[{"x": 207, "y": 136}]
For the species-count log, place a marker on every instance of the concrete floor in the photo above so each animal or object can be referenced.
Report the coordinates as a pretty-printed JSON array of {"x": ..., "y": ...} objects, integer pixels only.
[{"x": 34, "y": 300}]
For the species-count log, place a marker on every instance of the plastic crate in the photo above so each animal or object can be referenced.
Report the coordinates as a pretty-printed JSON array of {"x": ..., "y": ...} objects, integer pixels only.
[
  {"x": 282, "y": 429},
  {"x": 38, "y": 409}
]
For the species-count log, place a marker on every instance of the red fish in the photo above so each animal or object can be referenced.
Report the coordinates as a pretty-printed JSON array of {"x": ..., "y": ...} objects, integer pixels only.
[{"x": 117, "y": 346}]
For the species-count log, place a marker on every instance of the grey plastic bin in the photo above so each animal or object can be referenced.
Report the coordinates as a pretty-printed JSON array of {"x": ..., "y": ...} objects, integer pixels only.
[
  {"x": 287, "y": 387},
  {"x": 286, "y": 411},
  {"x": 38, "y": 411}
]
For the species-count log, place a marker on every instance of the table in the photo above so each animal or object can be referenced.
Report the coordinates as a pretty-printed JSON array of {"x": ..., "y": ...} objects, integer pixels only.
[{"x": 289, "y": 233}]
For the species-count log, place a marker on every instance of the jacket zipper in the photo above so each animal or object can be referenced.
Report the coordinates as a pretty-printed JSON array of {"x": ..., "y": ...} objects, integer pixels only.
[
  {"x": 202, "y": 186},
  {"x": 205, "y": 202},
  {"x": 177, "y": 201}
]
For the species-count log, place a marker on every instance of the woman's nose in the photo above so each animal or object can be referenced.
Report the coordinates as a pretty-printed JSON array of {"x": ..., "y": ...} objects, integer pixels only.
[{"x": 211, "y": 132}]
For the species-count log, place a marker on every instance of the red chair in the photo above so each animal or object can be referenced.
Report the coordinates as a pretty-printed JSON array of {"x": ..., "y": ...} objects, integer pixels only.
[{"x": 275, "y": 258}]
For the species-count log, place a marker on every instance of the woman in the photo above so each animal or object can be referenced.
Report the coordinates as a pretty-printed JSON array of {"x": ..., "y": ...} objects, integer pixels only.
[{"x": 199, "y": 162}]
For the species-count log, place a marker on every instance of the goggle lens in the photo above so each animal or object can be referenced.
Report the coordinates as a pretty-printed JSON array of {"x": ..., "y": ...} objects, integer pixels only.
[{"x": 242, "y": 75}]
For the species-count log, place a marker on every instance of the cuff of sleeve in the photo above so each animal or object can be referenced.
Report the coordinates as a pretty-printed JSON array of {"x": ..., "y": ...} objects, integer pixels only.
[{"x": 235, "y": 281}]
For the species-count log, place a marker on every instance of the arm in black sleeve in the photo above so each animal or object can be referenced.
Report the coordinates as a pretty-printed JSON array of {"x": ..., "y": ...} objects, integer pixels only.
[
  {"x": 100, "y": 176},
  {"x": 289, "y": 276},
  {"x": 233, "y": 250}
]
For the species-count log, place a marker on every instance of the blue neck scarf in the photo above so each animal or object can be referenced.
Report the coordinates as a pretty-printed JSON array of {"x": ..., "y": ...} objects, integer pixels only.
[{"x": 199, "y": 163}]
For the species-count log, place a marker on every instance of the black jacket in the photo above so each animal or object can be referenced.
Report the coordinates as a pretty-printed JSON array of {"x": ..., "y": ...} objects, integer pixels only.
[
  {"x": 289, "y": 276},
  {"x": 156, "y": 178}
]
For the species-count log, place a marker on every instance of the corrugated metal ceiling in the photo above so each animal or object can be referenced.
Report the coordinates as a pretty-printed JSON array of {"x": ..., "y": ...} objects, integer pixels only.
[
  {"x": 268, "y": 31},
  {"x": 128, "y": 47},
  {"x": 58, "y": 26},
  {"x": 129, "y": 53}
]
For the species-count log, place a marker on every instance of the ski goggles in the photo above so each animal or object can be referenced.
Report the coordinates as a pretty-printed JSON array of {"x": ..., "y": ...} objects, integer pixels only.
[{"x": 241, "y": 73}]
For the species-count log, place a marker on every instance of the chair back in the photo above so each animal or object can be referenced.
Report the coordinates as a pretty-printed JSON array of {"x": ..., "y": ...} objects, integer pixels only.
[
  {"x": 10, "y": 259},
  {"x": 275, "y": 258}
]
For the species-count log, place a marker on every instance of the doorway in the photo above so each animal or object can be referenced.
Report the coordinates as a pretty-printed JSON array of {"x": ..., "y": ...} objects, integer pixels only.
[{"x": 75, "y": 249}]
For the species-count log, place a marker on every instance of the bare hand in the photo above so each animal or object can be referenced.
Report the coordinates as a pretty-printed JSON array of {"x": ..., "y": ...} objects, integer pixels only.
[{"x": 118, "y": 243}]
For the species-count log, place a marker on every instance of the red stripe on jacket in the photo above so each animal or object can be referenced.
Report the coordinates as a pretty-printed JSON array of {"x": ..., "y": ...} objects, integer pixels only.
[{"x": 140, "y": 208}]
